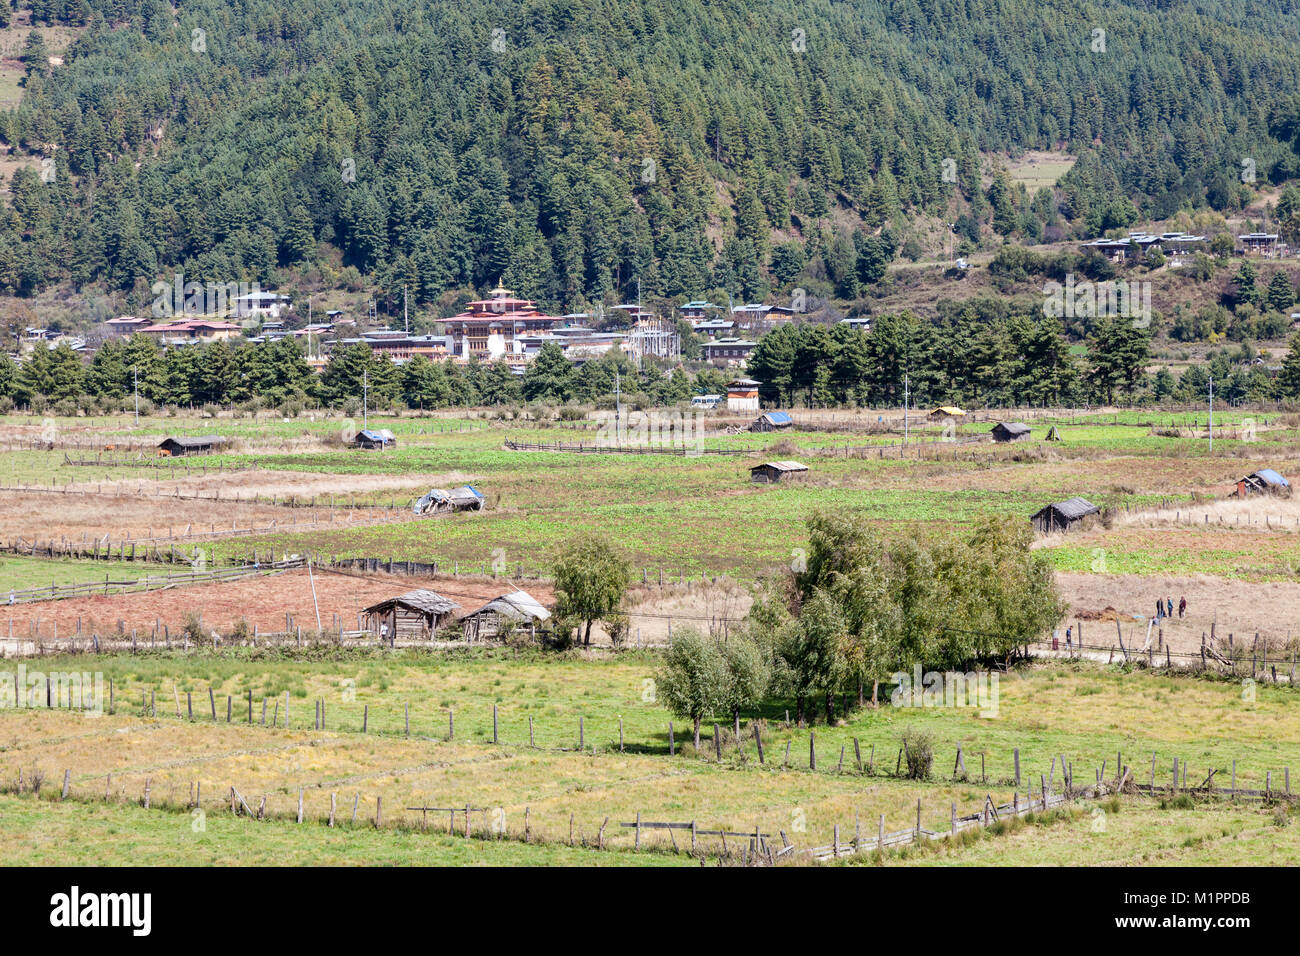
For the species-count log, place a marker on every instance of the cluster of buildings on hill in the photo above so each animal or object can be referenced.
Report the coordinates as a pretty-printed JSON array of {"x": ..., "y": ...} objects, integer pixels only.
[
  {"x": 1176, "y": 246},
  {"x": 499, "y": 327}
]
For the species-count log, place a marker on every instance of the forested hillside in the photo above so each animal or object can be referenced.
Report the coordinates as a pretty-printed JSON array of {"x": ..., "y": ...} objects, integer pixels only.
[{"x": 575, "y": 146}]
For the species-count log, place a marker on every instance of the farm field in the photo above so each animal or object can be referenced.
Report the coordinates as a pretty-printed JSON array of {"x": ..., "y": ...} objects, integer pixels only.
[
  {"x": 580, "y": 741},
  {"x": 1082, "y": 713},
  {"x": 677, "y": 518}
]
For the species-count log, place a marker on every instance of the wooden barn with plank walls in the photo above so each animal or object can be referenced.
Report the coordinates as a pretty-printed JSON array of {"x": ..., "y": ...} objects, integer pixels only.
[
  {"x": 516, "y": 608},
  {"x": 1062, "y": 515},
  {"x": 1010, "y": 431},
  {"x": 771, "y": 472},
  {"x": 415, "y": 615},
  {"x": 190, "y": 445}
]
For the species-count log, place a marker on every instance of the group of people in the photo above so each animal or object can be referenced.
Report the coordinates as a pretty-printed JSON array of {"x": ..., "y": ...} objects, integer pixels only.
[{"x": 1165, "y": 608}]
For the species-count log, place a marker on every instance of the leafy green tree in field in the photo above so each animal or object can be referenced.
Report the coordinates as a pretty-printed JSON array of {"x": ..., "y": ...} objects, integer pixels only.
[
  {"x": 812, "y": 650},
  {"x": 748, "y": 674},
  {"x": 354, "y": 369},
  {"x": 590, "y": 581},
  {"x": 54, "y": 373},
  {"x": 693, "y": 679}
]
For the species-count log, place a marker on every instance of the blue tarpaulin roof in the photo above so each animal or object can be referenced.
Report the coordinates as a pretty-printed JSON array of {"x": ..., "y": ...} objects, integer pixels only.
[
  {"x": 778, "y": 418},
  {"x": 1272, "y": 477}
]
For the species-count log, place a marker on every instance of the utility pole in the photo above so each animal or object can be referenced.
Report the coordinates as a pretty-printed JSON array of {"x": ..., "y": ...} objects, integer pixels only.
[
  {"x": 406, "y": 322},
  {"x": 365, "y": 399},
  {"x": 135, "y": 378},
  {"x": 1211, "y": 413},
  {"x": 905, "y": 398},
  {"x": 618, "y": 433}
]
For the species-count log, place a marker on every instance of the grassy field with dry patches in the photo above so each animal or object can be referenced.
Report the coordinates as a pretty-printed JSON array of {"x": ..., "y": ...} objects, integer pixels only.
[{"x": 1084, "y": 714}]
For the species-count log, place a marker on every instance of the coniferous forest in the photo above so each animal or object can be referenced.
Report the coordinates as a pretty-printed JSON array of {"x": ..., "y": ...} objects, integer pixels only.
[{"x": 574, "y": 148}]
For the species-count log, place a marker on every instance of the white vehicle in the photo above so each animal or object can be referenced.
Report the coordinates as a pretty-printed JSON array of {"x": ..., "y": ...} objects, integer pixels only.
[{"x": 705, "y": 401}]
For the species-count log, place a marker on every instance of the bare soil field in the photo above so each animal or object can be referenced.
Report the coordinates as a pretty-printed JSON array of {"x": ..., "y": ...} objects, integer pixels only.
[
  {"x": 1232, "y": 607},
  {"x": 281, "y": 484},
  {"x": 261, "y": 601},
  {"x": 48, "y": 516}
]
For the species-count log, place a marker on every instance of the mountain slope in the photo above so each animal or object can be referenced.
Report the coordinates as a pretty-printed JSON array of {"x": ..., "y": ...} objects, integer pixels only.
[{"x": 574, "y": 146}]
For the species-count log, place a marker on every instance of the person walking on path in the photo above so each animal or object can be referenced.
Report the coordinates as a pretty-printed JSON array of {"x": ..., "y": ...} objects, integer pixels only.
[{"x": 1182, "y": 606}]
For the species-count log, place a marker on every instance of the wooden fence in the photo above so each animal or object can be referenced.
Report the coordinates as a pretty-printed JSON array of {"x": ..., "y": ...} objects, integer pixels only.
[
  {"x": 152, "y": 582},
  {"x": 1054, "y": 789}
]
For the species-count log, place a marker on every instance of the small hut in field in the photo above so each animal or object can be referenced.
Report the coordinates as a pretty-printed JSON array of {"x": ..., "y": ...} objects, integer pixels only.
[
  {"x": 1266, "y": 481},
  {"x": 414, "y": 615},
  {"x": 1010, "y": 431},
  {"x": 499, "y": 614},
  {"x": 1062, "y": 515},
  {"x": 771, "y": 472},
  {"x": 183, "y": 445}
]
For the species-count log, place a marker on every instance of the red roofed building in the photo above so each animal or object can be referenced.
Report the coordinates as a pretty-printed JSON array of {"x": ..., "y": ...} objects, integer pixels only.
[
  {"x": 488, "y": 327},
  {"x": 192, "y": 331}
]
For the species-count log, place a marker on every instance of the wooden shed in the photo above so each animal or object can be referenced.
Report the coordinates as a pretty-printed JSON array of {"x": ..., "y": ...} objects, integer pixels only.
[
  {"x": 1010, "y": 431},
  {"x": 773, "y": 471},
  {"x": 374, "y": 440},
  {"x": 1266, "y": 481},
  {"x": 1063, "y": 514},
  {"x": 494, "y": 617},
  {"x": 772, "y": 422},
  {"x": 413, "y": 615},
  {"x": 190, "y": 445}
]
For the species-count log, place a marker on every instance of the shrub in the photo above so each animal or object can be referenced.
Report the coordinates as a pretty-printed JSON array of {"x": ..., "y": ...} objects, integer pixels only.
[{"x": 918, "y": 753}]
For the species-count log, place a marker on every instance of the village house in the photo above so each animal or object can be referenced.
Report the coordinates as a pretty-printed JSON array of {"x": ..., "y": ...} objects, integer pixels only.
[
  {"x": 126, "y": 324},
  {"x": 742, "y": 395},
  {"x": 1264, "y": 244},
  {"x": 256, "y": 304},
  {"x": 731, "y": 351},
  {"x": 192, "y": 332},
  {"x": 714, "y": 328}
]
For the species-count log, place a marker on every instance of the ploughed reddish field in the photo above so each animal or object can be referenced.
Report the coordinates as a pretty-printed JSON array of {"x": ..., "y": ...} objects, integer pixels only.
[{"x": 261, "y": 601}]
